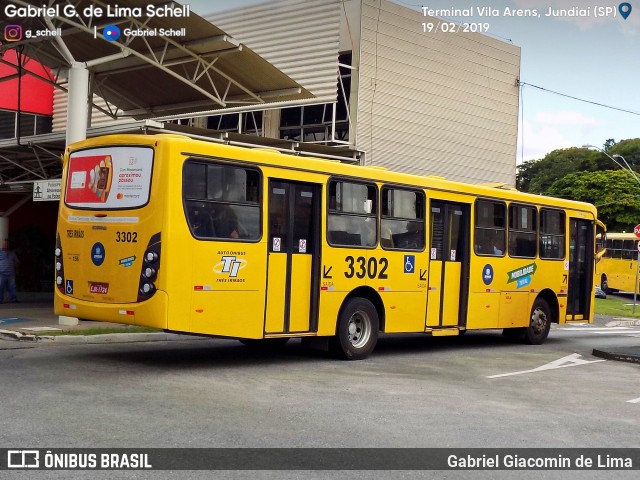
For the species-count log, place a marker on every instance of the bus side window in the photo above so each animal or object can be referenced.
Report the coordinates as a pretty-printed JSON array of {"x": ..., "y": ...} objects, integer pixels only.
[
  {"x": 617, "y": 249},
  {"x": 352, "y": 217},
  {"x": 402, "y": 224},
  {"x": 522, "y": 231},
  {"x": 489, "y": 229},
  {"x": 552, "y": 234},
  {"x": 229, "y": 195},
  {"x": 628, "y": 250}
]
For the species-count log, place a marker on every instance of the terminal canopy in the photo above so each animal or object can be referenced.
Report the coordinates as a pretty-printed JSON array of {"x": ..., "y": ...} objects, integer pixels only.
[{"x": 170, "y": 63}]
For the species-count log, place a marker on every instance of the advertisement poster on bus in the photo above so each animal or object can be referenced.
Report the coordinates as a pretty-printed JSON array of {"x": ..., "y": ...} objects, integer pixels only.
[{"x": 109, "y": 178}]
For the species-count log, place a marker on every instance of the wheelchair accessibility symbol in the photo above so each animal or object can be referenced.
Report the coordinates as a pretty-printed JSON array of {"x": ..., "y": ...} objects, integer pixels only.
[
  {"x": 69, "y": 287},
  {"x": 409, "y": 263}
]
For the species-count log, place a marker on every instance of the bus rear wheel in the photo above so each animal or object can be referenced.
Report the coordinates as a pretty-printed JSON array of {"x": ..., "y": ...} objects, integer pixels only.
[
  {"x": 356, "y": 331},
  {"x": 604, "y": 285},
  {"x": 540, "y": 323}
]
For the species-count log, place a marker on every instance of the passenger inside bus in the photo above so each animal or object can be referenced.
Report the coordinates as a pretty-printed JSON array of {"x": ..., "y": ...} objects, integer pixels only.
[
  {"x": 412, "y": 239},
  {"x": 200, "y": 222},
  {"x": 226, "y": 222},
  {"x": 497, "y": 244},
  {"x": 489, "y": 242}
]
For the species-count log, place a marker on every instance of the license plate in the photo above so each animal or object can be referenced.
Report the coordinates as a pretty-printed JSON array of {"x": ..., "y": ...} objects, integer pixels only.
[{"x": 99, "y": 288}]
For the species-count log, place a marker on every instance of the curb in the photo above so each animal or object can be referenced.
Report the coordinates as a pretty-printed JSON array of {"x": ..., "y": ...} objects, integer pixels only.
[
  {"x": 623, "y": 322},
  {"x": 612, "y": 355},
  {"x": 12, "y": 335},
  {"x": 98, "y": 339}
]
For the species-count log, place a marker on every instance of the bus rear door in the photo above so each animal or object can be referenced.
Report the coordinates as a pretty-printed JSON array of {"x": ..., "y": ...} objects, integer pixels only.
[
  {"x": 293, "y": 257},
  {"x": 448, "y": 265}
]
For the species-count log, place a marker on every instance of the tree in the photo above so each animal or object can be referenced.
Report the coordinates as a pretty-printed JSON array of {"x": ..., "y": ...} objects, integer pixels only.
[
  {"x": 591, "y": 176},
  {"x": 608, "y": 144},
  {"x": 615, "y": 193},
  {"x": 630, "y": 150},
  {"x": 536, "y": 176}
]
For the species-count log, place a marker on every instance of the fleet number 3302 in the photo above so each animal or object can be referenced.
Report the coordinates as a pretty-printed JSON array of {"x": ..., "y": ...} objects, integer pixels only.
[
  {"x": 361, "y": 267},
  {"x": 127, "y": 237}
]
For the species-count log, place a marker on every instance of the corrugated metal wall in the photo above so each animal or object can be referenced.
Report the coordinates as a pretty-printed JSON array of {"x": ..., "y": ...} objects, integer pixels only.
[
  {"x": 300, "y": 37},
  {"x": 60, "y": 103},
  {"x": 436, "y": 103}
]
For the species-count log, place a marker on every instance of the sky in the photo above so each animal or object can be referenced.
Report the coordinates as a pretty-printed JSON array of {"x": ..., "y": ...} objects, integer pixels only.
[{"x": 594, "y": 59}]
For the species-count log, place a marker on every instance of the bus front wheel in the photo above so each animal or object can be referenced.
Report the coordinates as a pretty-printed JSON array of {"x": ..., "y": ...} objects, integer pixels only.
[
  {"x": 540, "y": 323},
  {"x": 604, "y": 285},
  {"x": 356, "y": 331}
]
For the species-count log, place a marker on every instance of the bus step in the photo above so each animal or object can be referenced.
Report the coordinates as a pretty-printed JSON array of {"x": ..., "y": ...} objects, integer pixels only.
[{"x": 444, "y": 332}]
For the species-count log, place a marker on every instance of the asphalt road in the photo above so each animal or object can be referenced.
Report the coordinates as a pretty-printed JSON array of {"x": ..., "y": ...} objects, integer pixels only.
[{"x": 414, "y": 391}]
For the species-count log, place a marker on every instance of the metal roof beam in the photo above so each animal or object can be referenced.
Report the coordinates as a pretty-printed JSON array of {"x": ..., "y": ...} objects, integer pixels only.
[
  {"x": 11, "y": 77},
  {"x": 154, "y": 63},
  {"x": 35, "y": 153},
  {"x": 19, "y": 165},
  {"x": 265, "y": 94},
  {"x": 216, "y": 38}
]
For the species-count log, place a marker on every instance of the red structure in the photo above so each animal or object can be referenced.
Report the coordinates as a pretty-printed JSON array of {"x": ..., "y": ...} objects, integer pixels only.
[
  {"x": 31, "y": 225},
  {"x": 37, "y": 95}
]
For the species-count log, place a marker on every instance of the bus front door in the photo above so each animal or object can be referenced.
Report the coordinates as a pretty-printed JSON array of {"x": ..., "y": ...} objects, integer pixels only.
[
  {"x": 581, "y": 261},
  {"x": 293, "y": 257},
  {"x": 448, "y": 265}
]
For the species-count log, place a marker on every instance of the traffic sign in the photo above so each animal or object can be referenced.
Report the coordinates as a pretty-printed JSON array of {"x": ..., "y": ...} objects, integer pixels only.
[{"x": 636, "y": 231}]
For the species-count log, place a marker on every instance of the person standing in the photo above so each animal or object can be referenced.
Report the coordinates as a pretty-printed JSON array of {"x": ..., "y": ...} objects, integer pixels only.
[{"x": 8, "y": 263}]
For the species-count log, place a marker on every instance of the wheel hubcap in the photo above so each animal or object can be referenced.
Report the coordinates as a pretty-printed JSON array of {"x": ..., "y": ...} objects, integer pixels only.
[
  {"x": 538, "y": 321},
  {"x": 359, "y": 329}
]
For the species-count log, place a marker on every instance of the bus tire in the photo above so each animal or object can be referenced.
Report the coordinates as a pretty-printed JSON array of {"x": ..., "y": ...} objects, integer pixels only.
[
  {"x": 356, "y": 331},
  {"x": 540, "y": 323},
  {"x": 604, "y": 284},
  {"x": 265, "y": 343}
]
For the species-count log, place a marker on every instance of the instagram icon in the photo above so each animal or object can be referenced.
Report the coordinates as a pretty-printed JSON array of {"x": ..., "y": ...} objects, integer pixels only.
[{"x": 13, "y": 33}]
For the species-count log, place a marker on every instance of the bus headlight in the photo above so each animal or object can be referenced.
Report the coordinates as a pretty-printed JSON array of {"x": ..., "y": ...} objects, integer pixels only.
[
  {"x": 59, "y": 281},
  {"x": 58, "y": 266},
  {"x": 147, "y": 288}
]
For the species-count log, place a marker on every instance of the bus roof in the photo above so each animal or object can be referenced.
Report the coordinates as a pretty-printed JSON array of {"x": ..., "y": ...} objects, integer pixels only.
[
  {"x": 190, "y": 146},
  {"x": 621, "y": 236}
]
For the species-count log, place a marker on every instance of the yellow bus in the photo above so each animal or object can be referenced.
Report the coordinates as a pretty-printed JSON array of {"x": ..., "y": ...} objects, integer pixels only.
[
  {"x": 616, "y": 269},
  {"x": 199, "y": 237}
]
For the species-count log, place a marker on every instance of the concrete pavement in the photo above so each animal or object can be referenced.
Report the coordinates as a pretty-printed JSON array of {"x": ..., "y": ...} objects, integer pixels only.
[{"x": 33, "y": 318}]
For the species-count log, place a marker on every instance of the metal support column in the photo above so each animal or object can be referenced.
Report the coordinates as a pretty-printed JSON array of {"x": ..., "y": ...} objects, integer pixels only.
[{"x": 78, "y": 111}]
